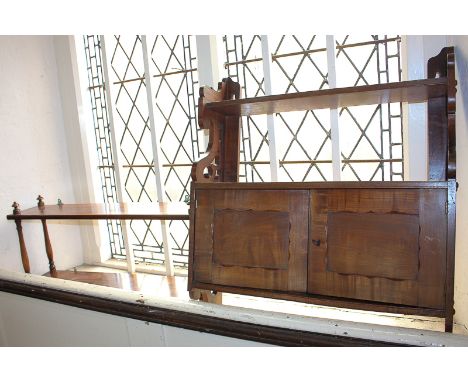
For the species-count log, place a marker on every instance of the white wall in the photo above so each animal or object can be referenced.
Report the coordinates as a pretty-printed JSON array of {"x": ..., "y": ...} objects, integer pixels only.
[
  {"x": 461, "y": 252},
  {"x": 431, "y": 46},
  {"x": 81, "y": 148},
  {"x": 417, "y": 50},
  {"x": 26, "y": 321},
  {"x": 34, "y": 155}
]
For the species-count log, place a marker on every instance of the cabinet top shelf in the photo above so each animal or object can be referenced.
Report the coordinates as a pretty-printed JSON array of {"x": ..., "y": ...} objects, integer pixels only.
[{"x": 405, "y": 91}]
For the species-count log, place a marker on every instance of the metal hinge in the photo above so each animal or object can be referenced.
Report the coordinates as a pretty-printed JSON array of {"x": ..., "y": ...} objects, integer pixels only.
[{"x": 446, "y": 208}]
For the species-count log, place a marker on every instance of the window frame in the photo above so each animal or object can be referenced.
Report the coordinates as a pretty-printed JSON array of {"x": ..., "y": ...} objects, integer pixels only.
[{"x": 208, "y": 73}]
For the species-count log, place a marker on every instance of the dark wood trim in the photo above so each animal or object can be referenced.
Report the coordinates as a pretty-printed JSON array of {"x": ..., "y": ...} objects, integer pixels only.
[
  {"x": 441, "y": 118},
  {"x": 450, "y": 262},
  {"x": 100, "y": 217},
  {"x": 23, "y": 250},
  {"x": 451, "y": 117},
  {"x": 102, "y": 211},
  {"x": 191, "y": 321},
  {"x": 405, "y": 91},
  {"x": 319, "y": 185},
  {"x": 230, "y": 138},
  {"x": 191, "y": 236},
  {"x": 325, "y": 300},
  {"x": 437, "y": 138},
  {"x": 48, "y": 248}
]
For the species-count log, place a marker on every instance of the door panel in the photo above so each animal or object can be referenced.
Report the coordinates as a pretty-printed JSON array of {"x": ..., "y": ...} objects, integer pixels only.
[
  {"x": 378, "y": 245},
  {"x": 252, "y": 238},
  {"x": 358, "y": 245}
]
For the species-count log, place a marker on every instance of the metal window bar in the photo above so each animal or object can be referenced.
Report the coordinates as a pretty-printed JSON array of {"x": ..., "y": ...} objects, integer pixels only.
[
  {"x": 388, "y": 116},
  {"x": 301, "y": 61},
  {"x": 130, "y": 103},
  {"x": 387, "y": 149},
  {"x": 125, "y": 225},
  {"x": 130, "y": 86},
  {"x": 245, "y": 55},
  {"x": 176, "y": 112},
  {"x": 92, "y": 47},
  {"x": 242, "y": 53},
  {"x": 155, "y": 142}
]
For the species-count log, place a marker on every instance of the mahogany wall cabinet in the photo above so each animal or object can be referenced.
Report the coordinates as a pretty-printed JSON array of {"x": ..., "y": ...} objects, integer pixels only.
[{"x": 385, "y": 246}]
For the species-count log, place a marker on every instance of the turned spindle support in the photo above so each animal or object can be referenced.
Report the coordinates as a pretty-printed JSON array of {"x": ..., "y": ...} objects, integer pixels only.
[
  {"x": 19, "y": 228},
  {"x": 48, "y": 245}
]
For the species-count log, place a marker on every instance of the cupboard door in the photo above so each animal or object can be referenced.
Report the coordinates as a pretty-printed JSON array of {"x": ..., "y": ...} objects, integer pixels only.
[
  {"x": 379, "y": 245},
  {"x": 252, "y": 238}
]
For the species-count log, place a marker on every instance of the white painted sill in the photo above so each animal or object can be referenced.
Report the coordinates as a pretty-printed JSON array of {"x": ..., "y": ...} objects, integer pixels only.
[{"x": 374, "y": 332}]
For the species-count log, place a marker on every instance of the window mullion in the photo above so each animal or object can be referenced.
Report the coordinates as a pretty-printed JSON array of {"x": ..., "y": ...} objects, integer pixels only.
[
  {"x": 273, "y": 150},
  {"x": 157, "y": 156},
  {"x": 334, "y": 128},
  {"x": 125, "y": 224}
]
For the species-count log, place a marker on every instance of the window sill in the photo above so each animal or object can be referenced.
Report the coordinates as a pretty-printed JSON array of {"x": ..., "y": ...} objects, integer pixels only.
[
  {"x": 244, "y": 323},
  {"x": 141, "y": 267}
]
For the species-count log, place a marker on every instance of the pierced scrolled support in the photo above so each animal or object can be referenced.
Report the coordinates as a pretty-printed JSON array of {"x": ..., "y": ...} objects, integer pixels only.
[
  {"x": 451, "y": 109},
  {"x": 221, "y": 163},
  {"x": 441, "y": 119},
  {"x": 209, "y": 162}
]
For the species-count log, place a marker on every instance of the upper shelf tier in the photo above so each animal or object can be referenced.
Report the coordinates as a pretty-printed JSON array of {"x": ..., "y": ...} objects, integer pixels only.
[
  {"x": 406, "y": 91},
  {"x": 98, "y": 211}
]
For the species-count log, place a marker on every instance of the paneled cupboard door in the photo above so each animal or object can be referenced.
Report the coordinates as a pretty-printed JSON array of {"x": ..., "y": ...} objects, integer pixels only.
[
  {"x": 252, "y": 238},
  {"x": 384, "y": 245}
]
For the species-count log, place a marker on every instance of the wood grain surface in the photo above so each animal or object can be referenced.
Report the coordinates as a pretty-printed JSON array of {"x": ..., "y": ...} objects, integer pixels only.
[
  {"x": 97, "y": 211},
  {"x": 406, "y": 91}
]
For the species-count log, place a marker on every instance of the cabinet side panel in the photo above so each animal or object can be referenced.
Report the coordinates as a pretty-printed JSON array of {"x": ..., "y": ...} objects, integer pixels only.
[
  {"x": 433, "y": 222},
  {"x": 203, "y": 243}
]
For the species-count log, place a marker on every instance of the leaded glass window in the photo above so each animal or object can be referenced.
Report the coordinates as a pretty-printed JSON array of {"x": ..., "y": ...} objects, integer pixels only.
[
  {"x": 173, "y": 72},
  {"x": 370, "y": 137}
]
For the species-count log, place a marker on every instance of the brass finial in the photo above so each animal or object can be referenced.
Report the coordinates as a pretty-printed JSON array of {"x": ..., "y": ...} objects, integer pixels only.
[
  {"x": 40, "y": 201},
  {"x": 16, "y": 209}
]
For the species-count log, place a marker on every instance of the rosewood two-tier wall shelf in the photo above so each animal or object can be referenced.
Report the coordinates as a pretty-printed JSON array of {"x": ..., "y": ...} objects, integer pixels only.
[
  {"x": 89, "y": 211},
  {"x": 382, "y": 246}
]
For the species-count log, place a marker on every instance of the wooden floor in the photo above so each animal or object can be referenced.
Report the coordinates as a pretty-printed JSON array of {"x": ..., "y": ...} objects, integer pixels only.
[{"x": 162, "y": 286}]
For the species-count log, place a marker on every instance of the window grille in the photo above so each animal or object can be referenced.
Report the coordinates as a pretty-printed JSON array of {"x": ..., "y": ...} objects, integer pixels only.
[
  {"x": 370, "y": 136},
  {"x": 371, "y": 140},
  {"x": 174, "y": 80},
  {"x": 92, "y": 46},
  {"x": 304, "y": 142},
  {"x": 174, "y": 66},
  {"x": 244, "y": 65}
]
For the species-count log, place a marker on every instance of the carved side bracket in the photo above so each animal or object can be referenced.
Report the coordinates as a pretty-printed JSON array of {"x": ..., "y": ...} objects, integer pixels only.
[
  {"x": 212, "y": 167},
  {"x": 451, "y": 109},
  {"x": 441, "y": 118},
  {"x": 221, "y": 164}
]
